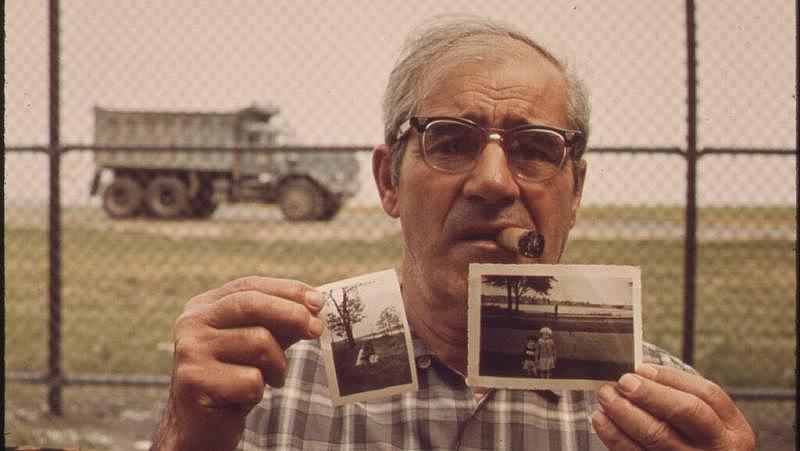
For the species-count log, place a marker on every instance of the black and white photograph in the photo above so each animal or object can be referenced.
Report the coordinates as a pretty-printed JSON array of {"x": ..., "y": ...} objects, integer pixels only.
[
  {"x": 366, "y": 343},
  {"x": 553, "y": 326}
]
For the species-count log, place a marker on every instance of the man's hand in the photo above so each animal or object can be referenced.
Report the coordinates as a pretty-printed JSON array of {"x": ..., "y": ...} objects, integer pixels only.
[
  {"x": 229, "y": 343},
  {"x": 662, "y": 408}
]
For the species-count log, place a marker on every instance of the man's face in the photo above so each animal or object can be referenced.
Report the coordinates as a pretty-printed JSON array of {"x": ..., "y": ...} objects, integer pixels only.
[{"x": 449, "y": 220}]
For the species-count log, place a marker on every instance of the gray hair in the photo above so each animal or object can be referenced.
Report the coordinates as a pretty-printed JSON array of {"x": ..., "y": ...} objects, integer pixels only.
[{"x": 461, "y": 38}]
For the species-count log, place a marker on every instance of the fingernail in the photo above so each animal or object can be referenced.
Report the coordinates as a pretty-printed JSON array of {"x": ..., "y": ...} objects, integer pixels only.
[
  {"x": 599, "y": 418},
  {"x": 607, "y": 394},
  {"x": 647, "y": 370},
  {"x": 629, "y": 382},
  {"x": 315, "y": 326},
  {"x": 315, "y": 299}
]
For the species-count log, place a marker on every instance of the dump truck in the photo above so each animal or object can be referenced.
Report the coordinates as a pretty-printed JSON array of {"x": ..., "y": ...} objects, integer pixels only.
[{"x": 171, "y": 164}]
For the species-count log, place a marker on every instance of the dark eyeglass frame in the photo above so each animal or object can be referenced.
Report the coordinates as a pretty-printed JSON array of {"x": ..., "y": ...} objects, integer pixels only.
[{"x": 570, "y": 138}]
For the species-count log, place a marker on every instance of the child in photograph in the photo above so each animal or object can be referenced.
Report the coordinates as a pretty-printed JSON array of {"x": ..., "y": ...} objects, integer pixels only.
[
  {"x": 547, "y": 352},
  {"x": 366, "y": 355},
  {"x": 529, "y": 357}
]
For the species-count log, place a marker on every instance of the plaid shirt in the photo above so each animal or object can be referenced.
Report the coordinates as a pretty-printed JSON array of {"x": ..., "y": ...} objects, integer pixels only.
[{"x": 443, "y": 414}]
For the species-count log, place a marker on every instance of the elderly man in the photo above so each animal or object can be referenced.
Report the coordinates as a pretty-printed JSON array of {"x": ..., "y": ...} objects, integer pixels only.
[{"x": 484, "y": 129}]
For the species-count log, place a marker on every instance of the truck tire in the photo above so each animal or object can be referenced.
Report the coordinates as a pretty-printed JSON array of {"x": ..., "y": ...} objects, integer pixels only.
[
  {"x": 332, "y": 207},
  {"x": 301, "y": 200},
  {"x": 167, "y": 197},
  {"x": 203, "y": 206},
  {"x": 122, "y": 198}
]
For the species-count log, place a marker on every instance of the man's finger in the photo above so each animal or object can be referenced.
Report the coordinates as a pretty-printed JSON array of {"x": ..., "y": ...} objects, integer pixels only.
[
  {"x": 220, "y": 385},
  {"x": 252, "y": 346},
  {"x": 704, "y": 389},
  {"x": 611, "y": 435},
  {"x": 687, "y": 413},
  {"x": 648, "y": 431},
  {"x": 282, "y": 317},
  {"x": 292, "y": 290}
]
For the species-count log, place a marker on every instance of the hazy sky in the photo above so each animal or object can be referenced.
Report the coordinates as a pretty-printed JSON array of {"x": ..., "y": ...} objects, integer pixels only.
[
  {"x": 597, "y": 290},
  {"x": 325, "y": 64}
]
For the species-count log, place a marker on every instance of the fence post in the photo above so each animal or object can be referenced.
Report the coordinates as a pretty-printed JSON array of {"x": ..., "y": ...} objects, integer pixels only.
[
  {"x": 54, "y": 379},
  {"x": 690, "y": 244}
]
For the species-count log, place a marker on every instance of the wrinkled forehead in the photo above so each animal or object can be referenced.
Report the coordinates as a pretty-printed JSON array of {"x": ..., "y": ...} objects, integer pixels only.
[{"x": 472, "y": 58}]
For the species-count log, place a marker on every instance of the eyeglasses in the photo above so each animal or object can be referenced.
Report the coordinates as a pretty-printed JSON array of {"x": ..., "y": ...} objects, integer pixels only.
[{"x": 452, "y": 145}]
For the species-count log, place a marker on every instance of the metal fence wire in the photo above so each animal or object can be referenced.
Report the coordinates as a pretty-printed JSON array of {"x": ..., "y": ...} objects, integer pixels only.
[{"x": 146, "y": 144}]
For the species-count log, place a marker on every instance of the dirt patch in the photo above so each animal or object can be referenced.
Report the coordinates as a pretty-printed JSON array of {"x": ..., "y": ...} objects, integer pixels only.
[{"x": 94, "y": 418}]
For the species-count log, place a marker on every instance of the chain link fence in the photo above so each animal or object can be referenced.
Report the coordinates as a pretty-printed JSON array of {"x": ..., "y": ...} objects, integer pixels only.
[{"x": 323, "y": 66}]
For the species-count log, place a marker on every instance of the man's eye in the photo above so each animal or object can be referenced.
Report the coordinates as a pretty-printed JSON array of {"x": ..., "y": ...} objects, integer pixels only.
[
  {"x": 537, "y": 147},
  {"x": 446, "y": 145},
  {"x": 450, "y": 140}
]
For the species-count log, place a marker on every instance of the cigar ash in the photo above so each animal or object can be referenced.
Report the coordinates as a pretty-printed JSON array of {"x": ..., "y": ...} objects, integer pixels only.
[{"x": 531, "y": 244}]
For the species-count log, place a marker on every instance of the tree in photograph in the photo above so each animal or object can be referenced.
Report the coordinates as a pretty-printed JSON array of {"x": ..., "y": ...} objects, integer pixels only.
[
  {"x": 389, "y": 321},
  {"x": 349, "y": 311},
  {"x": 516, "y": 286}
]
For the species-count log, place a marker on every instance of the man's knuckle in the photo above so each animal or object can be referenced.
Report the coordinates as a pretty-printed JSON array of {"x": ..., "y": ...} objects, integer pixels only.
[
  {"x": 265, "y": 352},
  {"x": 260, "y": 337},
  {"x": 298, "y": 315},
  {"x": 252, "y": 380},
  {"x": 188, "y": 379},
  {"x": 184, "y": 321},
  {"x": 693, "y": 408},
  {"x": 297, "y": 290},
  {"x": 246, "y": 283},
  {"x": 185, "y": 349},
  {"x": 713, "y": 393},
  {"x": 655, "y": 435}
]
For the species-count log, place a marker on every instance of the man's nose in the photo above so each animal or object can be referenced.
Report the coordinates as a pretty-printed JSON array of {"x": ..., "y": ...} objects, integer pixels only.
[{"x": 491, "y": 179}]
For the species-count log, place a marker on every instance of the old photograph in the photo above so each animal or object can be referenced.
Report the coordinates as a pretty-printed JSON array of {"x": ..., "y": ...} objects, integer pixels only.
[
  {"x": 366, "y": 344},
  {"x": 553, "y": 326}
]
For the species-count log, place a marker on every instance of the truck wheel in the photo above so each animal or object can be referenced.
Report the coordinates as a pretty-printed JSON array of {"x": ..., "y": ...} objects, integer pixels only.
[
  {"x": 331, "y": 208},
  {"x": 203, "y": 206},
  {"x": 122, "y": 198},
  {"x": 301, "y": 200},
  {"x": 167, "y": 197}
]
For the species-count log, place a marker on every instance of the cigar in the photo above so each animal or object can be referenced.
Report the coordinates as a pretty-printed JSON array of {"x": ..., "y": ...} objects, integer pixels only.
[{"x": 529, "y": 243}]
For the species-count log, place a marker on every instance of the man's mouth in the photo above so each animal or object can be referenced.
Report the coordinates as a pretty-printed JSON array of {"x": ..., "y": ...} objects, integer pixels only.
[
  {"x": 483, "y": 236},
  {"x": 479, "y": 236}
]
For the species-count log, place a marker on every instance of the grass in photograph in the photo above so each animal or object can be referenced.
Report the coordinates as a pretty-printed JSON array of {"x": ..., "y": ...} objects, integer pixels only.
[
  {"x": 588, "y": 346},
  {"x": 507, "y": 364},
  {"x": 392, "y": 367}
]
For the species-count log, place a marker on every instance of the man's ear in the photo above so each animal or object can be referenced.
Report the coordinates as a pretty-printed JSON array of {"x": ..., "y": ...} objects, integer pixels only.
[
  {"x": 382, "y": 172},
  {"x": 579, "y": 176}
]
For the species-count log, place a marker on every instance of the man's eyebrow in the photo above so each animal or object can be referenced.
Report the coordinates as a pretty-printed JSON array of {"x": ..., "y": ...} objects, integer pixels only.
[{"x": 516, "y": 121}]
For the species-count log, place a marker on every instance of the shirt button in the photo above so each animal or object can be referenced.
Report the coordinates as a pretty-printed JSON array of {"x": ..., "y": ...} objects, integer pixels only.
[{"x": 424, "y": 362}]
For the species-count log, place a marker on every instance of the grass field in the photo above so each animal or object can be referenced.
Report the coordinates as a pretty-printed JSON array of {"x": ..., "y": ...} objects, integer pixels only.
[
  {"x": 123, "y": 290},
  {"x": 391, "y": 369},
  {"x": 751, "y": 216}
]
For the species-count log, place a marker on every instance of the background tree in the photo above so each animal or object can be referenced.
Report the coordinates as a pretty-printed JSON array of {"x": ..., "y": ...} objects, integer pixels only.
[
  {"x": 389, "y": 320},
  {"x": 348, "y": 312},
  {"x": 516, "y": 286}
]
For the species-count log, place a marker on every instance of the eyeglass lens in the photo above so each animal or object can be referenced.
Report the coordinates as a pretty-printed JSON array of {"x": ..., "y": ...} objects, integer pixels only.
[{"x": 454, "y": 147}]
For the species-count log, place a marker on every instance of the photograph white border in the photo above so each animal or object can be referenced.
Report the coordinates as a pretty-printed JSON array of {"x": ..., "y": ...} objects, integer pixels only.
[
  {"x": 390, "y": 285},
  {"x": 477, "y": 270}
]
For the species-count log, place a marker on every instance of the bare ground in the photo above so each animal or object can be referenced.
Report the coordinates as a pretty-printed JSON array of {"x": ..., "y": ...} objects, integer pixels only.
[{"x": 94, "y": 418}]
